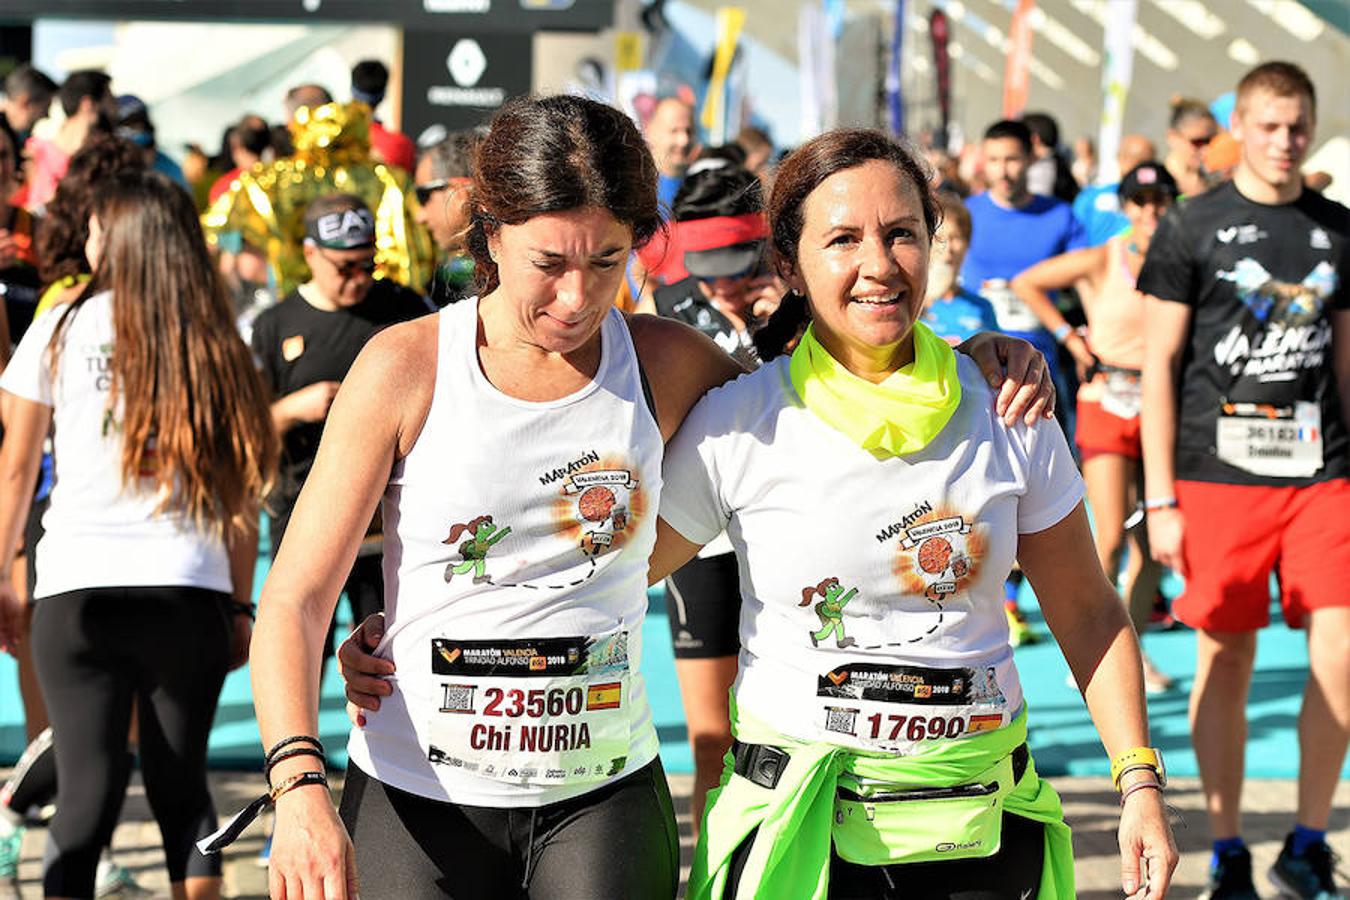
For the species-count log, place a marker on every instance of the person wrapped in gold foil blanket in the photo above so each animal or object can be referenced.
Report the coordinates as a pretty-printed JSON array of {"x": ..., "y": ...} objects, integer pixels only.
[{"x": 264, "y": 209}]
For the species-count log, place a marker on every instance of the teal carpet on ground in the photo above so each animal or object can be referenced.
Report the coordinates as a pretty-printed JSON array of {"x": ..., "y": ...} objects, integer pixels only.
[{"x": 1062, "y": 736}]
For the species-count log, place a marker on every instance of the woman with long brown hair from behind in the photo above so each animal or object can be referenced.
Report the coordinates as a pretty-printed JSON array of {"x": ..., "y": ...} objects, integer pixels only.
[
  {"x": 164, "y": 450},
  {"x": 63, "y": 272}
]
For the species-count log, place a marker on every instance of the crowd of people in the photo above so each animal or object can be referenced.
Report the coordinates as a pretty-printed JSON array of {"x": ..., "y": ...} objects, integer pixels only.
[{"x": 492, "y": 387}]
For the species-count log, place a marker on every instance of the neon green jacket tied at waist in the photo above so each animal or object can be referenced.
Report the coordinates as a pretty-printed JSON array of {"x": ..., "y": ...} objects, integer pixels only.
[{"x": 790, "y": 857}]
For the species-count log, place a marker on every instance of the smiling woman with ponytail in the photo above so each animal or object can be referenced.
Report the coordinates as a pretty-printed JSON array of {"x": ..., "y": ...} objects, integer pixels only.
[{"x": 164, "y": 448}]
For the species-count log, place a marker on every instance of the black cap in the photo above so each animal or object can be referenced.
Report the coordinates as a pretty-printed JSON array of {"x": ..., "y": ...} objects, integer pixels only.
[
  {"x": 341, "y": 229},
  {"x": 1149, "y": 176}
]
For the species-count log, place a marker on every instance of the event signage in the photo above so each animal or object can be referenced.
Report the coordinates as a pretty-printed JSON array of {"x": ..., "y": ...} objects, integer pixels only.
[
  {"x": 1117, "y": 72},
  {"x": 895, "y": 106},
  {"x": 459, "y": 80},
  {"x": 1017, "y": 74},
  {"x": 730, "y": 21},
  {"x": 518, "y": 16},
  {"x": 940, "y": 30}
]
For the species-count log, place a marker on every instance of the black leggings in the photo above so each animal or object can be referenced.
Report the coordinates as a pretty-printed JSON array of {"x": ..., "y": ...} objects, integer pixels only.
[
  {"x": 1013, "y": 873},
  {"x": 617, "y": 841},
  {"x": 96, "y": 650},
  {"x": 703, "y": 607}
]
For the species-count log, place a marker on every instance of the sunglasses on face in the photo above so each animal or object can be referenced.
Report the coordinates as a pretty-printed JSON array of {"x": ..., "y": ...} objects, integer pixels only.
[
  {"x": 1199, "y": 143},
  {"x": 351, "y": 268},
  {"x": 424, "y": 192}
]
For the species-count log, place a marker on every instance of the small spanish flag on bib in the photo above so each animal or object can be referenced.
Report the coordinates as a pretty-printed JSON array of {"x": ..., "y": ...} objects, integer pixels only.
[
  {"x": 984, "y": 723},
  {"x": 604, "y": 696}
]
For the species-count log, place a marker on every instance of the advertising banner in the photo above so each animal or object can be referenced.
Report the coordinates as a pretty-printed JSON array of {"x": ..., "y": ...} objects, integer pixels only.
[
  {"x": 460, "y": 80},
  {"x": 1017, "y": 74}
]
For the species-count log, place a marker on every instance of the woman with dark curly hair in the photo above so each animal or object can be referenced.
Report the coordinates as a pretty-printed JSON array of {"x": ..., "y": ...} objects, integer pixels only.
[
  {"x": 876, "y": 503},
  {"x": 63, "y": 231}
]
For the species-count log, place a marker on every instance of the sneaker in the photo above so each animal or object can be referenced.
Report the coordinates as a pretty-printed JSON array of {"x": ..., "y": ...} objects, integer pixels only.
[
  {"x": 1155, "y": 680},
  {"x": 1306, "y": 877},
  {"x": 11, "y": 847},
  {"x": 113, "y": 880},
  {"x": 1161, "y": 618},
  {"x": 1019, "y": 632},
  {"x": 1231, "y": 878}
]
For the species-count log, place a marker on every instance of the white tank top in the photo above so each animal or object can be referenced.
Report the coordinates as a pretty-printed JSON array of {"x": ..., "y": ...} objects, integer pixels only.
[{"x": 517, "y": 535}]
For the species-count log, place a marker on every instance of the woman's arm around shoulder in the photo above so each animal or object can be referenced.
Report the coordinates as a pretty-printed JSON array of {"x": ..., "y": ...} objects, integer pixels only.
[
  {"x": 1017, "y": 371},
  {"x": 375, "y": 420},
  {"x": 681, "y": 365}
]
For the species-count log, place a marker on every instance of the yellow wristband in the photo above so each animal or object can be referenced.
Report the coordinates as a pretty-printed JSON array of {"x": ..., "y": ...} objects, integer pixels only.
[{"x": 1137, "y": 757}]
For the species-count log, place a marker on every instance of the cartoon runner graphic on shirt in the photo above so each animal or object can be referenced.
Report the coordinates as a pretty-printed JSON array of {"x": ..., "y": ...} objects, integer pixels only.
[
  {"x": 830, "y": 610},
  {"x": 474, "y": 550}
]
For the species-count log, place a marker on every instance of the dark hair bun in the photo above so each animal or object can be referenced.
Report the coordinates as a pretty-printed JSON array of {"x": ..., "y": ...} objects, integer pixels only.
[{"x": 718, "y": 189}]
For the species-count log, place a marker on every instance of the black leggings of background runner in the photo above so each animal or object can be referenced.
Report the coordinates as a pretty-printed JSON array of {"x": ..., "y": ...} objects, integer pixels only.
[
  {"x": 1013, "y": 873},
  {"x": 96, "y": 650},
  {"x": 616, "y": 841},
  {"x": 364, "y": 588},
  {"x": 703, "y": 607}
]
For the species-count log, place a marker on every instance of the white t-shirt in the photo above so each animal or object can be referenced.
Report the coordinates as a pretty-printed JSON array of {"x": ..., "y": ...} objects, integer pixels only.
[
  {"x": 99, "y": 533},
  {"x": 872, "y": 611}
]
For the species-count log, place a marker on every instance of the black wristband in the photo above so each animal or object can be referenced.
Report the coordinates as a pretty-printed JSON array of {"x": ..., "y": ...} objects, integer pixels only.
[
  {"x": 294, "y": 782},
  {"x": 243, "y": 609},
  {"x": 225, "y": 835},
  {"x": 289, "y": 754},
  {"x": 286, "y": 742}
]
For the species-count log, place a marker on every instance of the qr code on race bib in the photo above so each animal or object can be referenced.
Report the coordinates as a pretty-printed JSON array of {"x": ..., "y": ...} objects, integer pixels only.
[
  {"x": 841, "y": 719},
  {"x": 456, "y": 698}
]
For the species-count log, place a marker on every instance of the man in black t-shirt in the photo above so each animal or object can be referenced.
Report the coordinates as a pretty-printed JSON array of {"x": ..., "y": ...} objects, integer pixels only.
[
  {"x": 1246, "y": 456},
  {"x": 306, "y": 344}
]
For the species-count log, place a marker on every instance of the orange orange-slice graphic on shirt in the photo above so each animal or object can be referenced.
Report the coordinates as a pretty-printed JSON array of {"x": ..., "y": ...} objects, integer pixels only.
[
  {"x": 938, "y": 565},
  {"x": 600, "y": 517}
]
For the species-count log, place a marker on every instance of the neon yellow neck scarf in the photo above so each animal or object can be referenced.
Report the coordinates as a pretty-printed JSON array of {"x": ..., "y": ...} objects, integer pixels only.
[{"x": 898, "y": 416}]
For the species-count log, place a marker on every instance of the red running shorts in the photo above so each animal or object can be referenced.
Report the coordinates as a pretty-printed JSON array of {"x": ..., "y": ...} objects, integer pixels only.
[
  {"x": 1098, "y": 431},
  {"x": 1236, "y": 535}
]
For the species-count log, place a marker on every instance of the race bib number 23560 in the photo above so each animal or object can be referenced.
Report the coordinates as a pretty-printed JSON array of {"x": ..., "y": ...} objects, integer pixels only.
[{"x": 542, "y": 711}]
